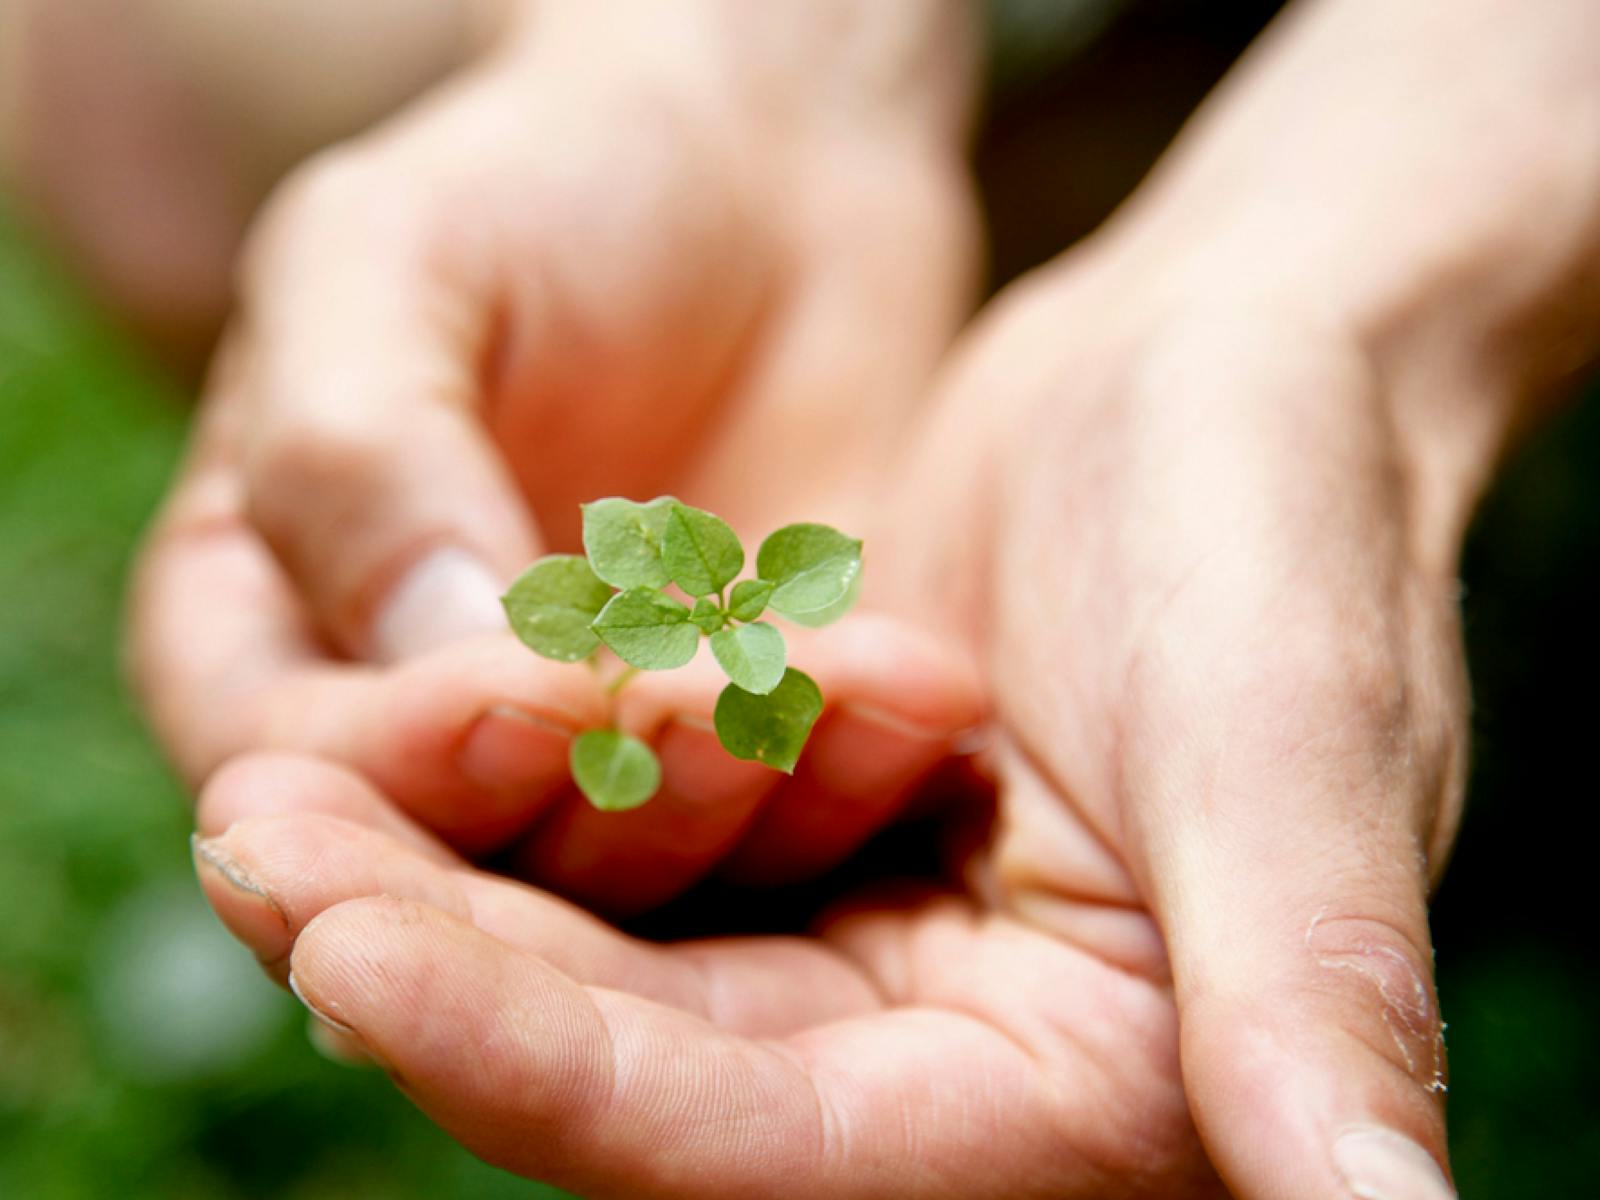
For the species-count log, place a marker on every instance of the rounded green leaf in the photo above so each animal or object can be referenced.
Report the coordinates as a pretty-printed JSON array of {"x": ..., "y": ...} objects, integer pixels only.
[
  {"x": 613, "y": 770},
  {"x": 815, "y": 571},
  {"x": 770, "y": 729},
  {"x": 551, "y": 605},
  {"x": 701, "y": 553},
  {"x": 752, "y": 655},
  {"x": 647, "y": 630},
  {"x": 828, "y": 613},
  {"x": 707, "y": 616},
  {"x": 749, "y": 597},
  {"x": 623, "y": 540}
]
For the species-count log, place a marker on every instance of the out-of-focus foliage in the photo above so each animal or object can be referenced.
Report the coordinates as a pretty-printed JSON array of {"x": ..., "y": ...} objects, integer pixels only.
[{"x": 142, "y": 1054}]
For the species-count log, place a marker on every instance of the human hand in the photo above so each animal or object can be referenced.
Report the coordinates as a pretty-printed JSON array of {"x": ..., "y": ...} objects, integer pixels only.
[
  {"x": 1203, "y": 483},
  {"x": 1181, "y": 794},
  {"x": 1224, "y": 659},
  {"x": 919, "y": 1046},
  {"x": 619, "y": 256}
]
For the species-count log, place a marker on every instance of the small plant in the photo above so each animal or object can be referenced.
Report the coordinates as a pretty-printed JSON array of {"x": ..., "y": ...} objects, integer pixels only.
[{"x": 566, "y": 606}]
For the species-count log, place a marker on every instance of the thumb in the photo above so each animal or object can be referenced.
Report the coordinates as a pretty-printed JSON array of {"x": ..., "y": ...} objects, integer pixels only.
[
  {"x": 1312, "y": 1049},
  {"x": 367, "y": 468}
]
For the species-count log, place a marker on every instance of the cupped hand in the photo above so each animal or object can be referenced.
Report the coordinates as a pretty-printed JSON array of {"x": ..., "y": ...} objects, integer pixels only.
[
  {"x": 629, "y": 253},
  {"x": 1197, "y": 493},
  {"x": 920, "y": 1045},
  {"x": 1227, "y": 731},
  {"x": 1220, "y": 631},
  {"x": 1194, "y": 495}
]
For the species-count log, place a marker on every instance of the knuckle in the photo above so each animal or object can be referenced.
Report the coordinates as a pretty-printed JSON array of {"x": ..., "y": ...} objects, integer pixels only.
[
  {"x": 315, "y": 446},
  {"x": 316, "y": 460},
  {"x": 1389, "y": 976},
  {"x": 331, "y": 184},
  {"x": 319, "y": 204}
]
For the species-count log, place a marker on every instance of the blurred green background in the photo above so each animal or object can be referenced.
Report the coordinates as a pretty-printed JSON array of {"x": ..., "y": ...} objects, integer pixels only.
[{"x": 140, "y": 1053}]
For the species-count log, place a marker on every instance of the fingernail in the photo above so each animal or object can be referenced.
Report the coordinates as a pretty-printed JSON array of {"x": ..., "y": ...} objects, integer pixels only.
[
  {"x": 337, "y": 1041},
  {"x": 510, "y": 751},
  {"x": 888, "y": 722},
  {"x": 446, "y": 596},
  {"x": 210, "y": 856},
  {"x": 1379, "y": 1164},
  {"x": 335, "y": 1046},
  {"x": 338, "y": 1027}
]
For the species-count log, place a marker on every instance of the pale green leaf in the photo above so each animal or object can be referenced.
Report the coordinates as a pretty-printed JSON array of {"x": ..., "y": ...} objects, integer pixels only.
[
  {"x": 614, "y": 770},
  {"x": 551, "y": 605},
  {"x": 751, "y": 655},
  {"x": 770, "y": 729},
  {"x": 701, "y": 553},
  {"x": 623, "y": 540},
  {"x": 816, "y": 571},
  {"x": 749, "y": 597},
  {"x": 707, "y": 615},
  {"x": 828, "y": 613},
  {"x": 647, "y": 630}
]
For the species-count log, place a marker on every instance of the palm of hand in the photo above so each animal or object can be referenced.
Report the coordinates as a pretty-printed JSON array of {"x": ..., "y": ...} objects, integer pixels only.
[
  {"x": 918, "y": 1045},
  {"x": 614, "y": 322},
  {"x": 1020, "y": 1044}
]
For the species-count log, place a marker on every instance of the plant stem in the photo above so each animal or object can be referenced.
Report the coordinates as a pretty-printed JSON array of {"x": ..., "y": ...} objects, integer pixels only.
[{"x": 621, "y": 681}]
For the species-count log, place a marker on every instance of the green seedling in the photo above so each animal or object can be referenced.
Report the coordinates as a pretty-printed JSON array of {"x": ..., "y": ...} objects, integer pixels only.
[{"x": 567, "y": 607}]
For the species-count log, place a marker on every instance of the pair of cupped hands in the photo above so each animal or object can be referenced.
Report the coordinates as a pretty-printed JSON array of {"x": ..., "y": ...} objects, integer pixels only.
[{"x": 1147, "y": 530}]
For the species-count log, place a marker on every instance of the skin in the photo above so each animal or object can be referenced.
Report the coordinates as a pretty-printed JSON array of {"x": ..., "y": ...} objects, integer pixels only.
[
  {"x": 142, "y": 137},
  {"x": 673, "y": 260},
  {"x": 1213, "y": 468}
]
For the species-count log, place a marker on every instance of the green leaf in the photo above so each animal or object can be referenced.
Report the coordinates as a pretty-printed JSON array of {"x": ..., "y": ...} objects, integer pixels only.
[
  {"x": 701, "y": 553},
  {"x": 816, "y": 570},
  {"x": 770, "y": 729},
  {"x": 648, "y": 630},
  {"x": 828, "y": 613},
  {"x": 752, "y": 655},
  {"x": 748, "y": 600},
  {"x": 623, "y": 540},
  {"x": 551, "y": 605},
  {"x": 615, "y": 771},
  {"x": 707, "y": 614}
]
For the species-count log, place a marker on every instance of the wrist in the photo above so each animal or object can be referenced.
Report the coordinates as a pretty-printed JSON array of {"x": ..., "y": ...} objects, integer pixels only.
[
  {"x": 905, "y": 73},
  {"x": 1418, "y": 179}
]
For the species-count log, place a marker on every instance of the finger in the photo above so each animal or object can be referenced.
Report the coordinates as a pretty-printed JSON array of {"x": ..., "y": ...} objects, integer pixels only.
[
  {"x": 471, "y": 739},
  {"x": 1046, "y": 863},
  {"x": 366, "y": 466},
  {"x": 610, "y": 1095},
  {"x": 1311, "y": 1032},
  {"x": 271, "y": 785},
  {"x": 268, "y": 877},
  {"x": 1293, "y": 901},
  {"x": 213, "y": 622},
  {"x": 899, "y": 704}
]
